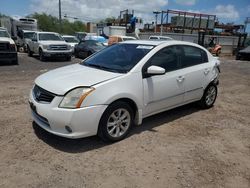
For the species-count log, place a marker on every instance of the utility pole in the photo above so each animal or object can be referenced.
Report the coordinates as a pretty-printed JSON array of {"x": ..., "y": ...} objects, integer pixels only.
[
  {"x": 156, "y": 16},
  {"x": 60, "y": 16}
]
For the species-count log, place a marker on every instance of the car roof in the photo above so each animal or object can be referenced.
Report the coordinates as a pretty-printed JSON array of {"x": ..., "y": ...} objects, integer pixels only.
[
  {"x": 122, "y": 36},
  {"x": 159, "y": 36},
  {"x": 46, "y": 32},
  {"x": 159, "y": 42},
  {"x": 69, "y": 36}
]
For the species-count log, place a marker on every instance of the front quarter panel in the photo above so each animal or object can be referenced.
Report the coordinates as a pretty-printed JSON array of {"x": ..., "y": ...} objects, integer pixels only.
[{"x": 127, "y": 86}]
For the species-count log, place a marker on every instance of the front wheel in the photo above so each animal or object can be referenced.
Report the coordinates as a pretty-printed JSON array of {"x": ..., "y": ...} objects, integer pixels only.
[
  {"x": 68, "y": 58},
  {"x": 209, "y": 96},
  {"x": 41, "y": 55},
  {"x": 116, "y": 122}
]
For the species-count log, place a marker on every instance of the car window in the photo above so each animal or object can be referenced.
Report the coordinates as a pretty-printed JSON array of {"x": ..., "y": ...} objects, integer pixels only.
[
  {"x": 153, "y": 37},
  {"x": 192, "y": 56},
  {"x": 166, "y": 58},
  {"x": 49, "y": 36},
  {"x": 34, "y": 36},
  {"x": 4, "y": 33}
]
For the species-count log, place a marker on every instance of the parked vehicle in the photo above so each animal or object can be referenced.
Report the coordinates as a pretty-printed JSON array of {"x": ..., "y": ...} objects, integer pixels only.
[
  {"x": 243, "y": 52},
  {"x": 214, "y": 47},
  {"x": 98, "y": 38},
  {"x": 49, "y": 44},
  {"x": 156, "y": 37},
  {"x": 72, "y": 40},
  {"x": 115, "y": 39},
  {"x": 17, "y": 28},
  {"x": 87, "y": 47},
  {"x": 80, "y": 35},
  {"x": 112, "y": 30},
  {"x": 122, "y": 84},
  {"x": 24, "y": 36},
  {"x": 8, "y": 50}
]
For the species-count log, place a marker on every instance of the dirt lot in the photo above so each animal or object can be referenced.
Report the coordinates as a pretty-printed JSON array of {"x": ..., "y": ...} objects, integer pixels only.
[{"x": 184, "y": 147}]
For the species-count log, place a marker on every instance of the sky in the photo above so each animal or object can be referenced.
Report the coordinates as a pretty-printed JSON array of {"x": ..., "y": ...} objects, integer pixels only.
[{"x": 93, "y": 10}]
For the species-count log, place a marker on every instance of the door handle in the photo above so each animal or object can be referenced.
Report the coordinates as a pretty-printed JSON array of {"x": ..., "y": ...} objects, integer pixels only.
[
  {"x": 206, "y": 71},
  {"x": 180, "y": 79}
]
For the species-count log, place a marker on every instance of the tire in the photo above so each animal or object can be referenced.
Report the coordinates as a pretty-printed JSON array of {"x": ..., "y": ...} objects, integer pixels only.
[
  {"x": 116, "y": 122},
  {"x": 89, "y": 54},
  {"x": 68, "y": 58},
  {"x": 41, "y": 56},
  {"x": 30, "y": 53},
  {"x": 218, "y": 52},
  {"x": 209, "y": 97}
]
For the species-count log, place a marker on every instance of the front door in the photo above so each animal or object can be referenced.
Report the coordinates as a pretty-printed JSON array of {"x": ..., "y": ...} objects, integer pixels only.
[{"x": 164, "y": 91}]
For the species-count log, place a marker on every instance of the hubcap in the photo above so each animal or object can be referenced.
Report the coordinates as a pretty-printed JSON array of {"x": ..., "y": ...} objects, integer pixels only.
[
  {"x": 211, "y": 95},
  {"x": 118, "y": 122}
]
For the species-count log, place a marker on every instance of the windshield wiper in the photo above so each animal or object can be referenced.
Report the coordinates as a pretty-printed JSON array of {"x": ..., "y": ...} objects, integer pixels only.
[{"x": 103, "y": 67}]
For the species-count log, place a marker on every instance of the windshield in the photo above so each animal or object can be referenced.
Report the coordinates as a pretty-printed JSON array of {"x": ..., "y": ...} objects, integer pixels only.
[
  {"x": 71, "y": 39},
  {"x": 49, "y": 36},
  {"x": 93, "y": 43},
  {"x": 4, "y": 33},
  {"x": 28, "y": 35},
  {"x": 119, "y": 57}
]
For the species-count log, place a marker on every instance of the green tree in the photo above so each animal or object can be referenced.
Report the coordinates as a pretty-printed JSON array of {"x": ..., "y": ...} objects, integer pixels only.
[{"x": 51, "y": 23}]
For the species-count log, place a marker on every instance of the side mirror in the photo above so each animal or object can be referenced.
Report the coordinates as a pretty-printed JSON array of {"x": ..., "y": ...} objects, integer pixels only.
[
  {"x": 154, "y": 70},
  {"x": 35, "y": 40}
]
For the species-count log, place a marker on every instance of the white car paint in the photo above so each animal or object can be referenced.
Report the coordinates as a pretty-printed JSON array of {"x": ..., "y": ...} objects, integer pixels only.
[
  {"x": 72, "y": 44},
  {"x": 151, "y": 95},
  {"x": 159, "y": 37},
  {"x": 34, "y": 46}
]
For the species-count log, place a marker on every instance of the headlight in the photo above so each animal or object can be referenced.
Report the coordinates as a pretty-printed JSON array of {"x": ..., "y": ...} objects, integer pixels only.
[
  {"x": 74, "y": 98},
  {"x": 13, "y": 47},
  {"x": 68, "y": 47}
]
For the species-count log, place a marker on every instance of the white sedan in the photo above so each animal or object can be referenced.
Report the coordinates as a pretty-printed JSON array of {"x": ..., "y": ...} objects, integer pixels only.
[{"x": 119, "y": 86}]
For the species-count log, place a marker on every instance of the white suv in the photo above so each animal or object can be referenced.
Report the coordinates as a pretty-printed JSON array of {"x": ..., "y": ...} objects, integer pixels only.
[{"x": 120, "y": 85}]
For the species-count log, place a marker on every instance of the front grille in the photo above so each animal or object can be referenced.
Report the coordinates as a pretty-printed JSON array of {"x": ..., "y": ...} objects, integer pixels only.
[
  {"x": 4, "y": 46},
  {"x": 58, "y": 47},
  {"x": 41, "y": 95}
]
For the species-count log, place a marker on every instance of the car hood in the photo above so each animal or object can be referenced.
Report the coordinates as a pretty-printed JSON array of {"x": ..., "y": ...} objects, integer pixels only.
[
  {"x": 61, "y": 80},
  {"x": 245, "y": 50},
  {"x": 6, "y": 39}
]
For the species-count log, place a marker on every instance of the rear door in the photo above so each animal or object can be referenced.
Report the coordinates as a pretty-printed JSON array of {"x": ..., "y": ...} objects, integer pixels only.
[
  {"x": 163, "y": 91},
  {"x": 194, "y": 62}
]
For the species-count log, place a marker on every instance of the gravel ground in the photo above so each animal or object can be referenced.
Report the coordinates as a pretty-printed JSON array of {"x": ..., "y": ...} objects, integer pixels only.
[{"x": 184, "y": 147}]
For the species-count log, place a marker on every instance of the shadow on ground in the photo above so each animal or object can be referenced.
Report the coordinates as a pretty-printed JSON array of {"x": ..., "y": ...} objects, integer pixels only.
[{"x": 91, "y": 143}]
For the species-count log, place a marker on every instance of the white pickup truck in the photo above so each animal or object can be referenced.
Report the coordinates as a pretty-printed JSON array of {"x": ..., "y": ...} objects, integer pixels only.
[
  {"x": 49, "y": 44},
  {"x": 8, "y": 50}
]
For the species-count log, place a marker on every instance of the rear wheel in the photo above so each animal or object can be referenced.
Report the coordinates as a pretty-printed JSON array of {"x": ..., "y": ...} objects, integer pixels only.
[
  {"x": 218, "y": 52},
  {"x": 116, "y": 122},
  {"x": 209, "y": 96}
]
